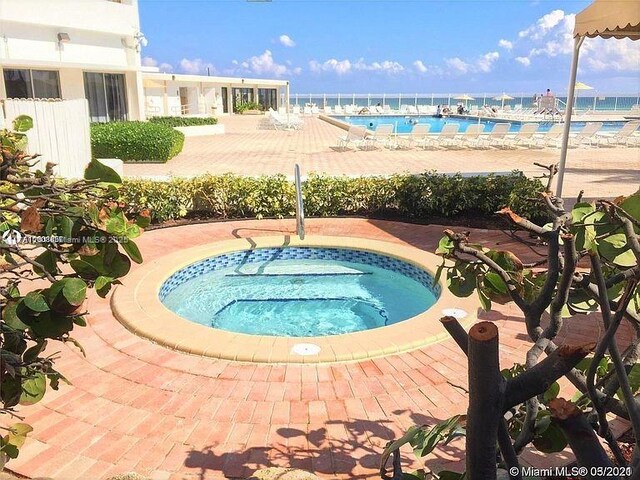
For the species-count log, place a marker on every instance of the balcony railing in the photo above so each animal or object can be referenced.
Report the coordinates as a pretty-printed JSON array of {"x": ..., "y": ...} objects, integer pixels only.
[{"x": 598, "y": 102}]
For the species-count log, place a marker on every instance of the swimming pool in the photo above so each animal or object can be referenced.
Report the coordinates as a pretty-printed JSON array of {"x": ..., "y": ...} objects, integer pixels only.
[
  {"x": 404, "y": 123},
  {"x": 299, "y": 291}
]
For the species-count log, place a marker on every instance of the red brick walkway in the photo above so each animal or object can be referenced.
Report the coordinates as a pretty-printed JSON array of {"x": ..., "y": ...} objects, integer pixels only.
[{"x": 136, "y": 406}]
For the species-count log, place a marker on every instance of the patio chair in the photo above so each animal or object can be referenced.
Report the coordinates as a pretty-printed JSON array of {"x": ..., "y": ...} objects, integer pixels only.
[
  {"x": 472, "y": 135},
  {"x": 355, "y": 136},
  {"x": 306, "y": 110},
  {"x": 526, "y": 136},
  {"x": 382, "y": 135},
  {"x": 327, "y": 110},
  {"x": 448, "y": 137},
  {"x": 586, "y": 136},
  {"x": 315, "y": 110},
  {"x": 553, "y": 138},
  {"x": 296, "y": 110},
  {"x": 338, "y": 110},
  {"x": 498, "y": 136},
  {"x": 625, "y": 136},
  {"x": 419, "y": 136},
  {"x": 386, "y": 109}
]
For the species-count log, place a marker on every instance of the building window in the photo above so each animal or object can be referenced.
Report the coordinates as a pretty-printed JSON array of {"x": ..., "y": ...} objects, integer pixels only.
[
  {"x": 107, "y": 96},
  {"x": 241, "y": 95},
  {"x": 268, "y": 98},
  {"x": 23, "y": 83}
]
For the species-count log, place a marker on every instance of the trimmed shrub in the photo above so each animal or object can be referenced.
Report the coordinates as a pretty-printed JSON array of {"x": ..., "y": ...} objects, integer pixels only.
[
  {"x": 135, "y": 141},
  {"x": 418, "y": 197},
  {"x": 184, "y": 121}
]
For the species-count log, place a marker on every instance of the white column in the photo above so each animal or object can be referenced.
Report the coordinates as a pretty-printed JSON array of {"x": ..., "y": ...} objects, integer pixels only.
[{"x": 567, "y": 117}]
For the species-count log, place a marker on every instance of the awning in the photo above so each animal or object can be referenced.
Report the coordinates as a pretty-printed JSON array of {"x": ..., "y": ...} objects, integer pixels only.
[{"x": 609, "y": 18}]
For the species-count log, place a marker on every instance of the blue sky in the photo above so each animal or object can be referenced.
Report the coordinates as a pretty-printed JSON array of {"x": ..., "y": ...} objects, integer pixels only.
[{"x": 373, "y": 46}]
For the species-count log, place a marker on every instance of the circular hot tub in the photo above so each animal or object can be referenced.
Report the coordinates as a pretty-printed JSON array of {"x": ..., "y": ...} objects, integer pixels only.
[
  {"x": 281, "y": 299},
  {"x": 299, "y": 291}
]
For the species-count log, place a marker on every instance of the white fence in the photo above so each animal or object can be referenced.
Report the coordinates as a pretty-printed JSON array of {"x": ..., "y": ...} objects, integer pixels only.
[{"x": 60, "y": 132}]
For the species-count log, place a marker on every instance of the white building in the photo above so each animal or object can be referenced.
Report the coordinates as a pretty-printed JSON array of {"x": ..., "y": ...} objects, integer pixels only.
[{"x": 90, "y": 49}]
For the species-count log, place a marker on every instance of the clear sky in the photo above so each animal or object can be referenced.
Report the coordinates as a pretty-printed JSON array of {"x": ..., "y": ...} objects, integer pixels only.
[{"x": 423, "y": 46}]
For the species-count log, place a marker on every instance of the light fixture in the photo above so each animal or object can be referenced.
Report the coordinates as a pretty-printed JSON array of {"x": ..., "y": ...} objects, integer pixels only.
[{"x": 63, "y": 37}]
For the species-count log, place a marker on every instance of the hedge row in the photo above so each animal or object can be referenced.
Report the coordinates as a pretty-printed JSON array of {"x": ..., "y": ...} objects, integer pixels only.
[
  {"x": 135, "y": 141},
  {"x": 184, "y": 121},
  {"x": 418, "y": 197}
]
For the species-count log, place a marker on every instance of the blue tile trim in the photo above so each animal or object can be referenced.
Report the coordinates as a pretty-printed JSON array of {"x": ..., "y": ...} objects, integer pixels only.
[{"x": 262, "y": 255}]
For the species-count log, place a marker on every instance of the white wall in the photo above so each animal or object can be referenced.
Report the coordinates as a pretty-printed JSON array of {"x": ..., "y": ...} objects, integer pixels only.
[{"x": 91, "y": 15}]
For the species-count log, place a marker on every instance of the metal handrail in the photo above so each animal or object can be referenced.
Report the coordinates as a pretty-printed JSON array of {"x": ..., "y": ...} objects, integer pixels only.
[{"x": 299, "y": 204}]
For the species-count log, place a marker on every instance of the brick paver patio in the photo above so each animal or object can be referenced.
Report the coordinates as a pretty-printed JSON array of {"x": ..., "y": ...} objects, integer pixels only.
[
  {"x": 248, "y": 150},
  {"x": 137, "y": 406}
]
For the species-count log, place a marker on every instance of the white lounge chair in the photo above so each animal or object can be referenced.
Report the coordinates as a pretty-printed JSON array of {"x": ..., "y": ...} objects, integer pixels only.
[
  {"x": 472, "y": 135},
  {"x": 498, "y": 136},
  {"x": 448, "y": 136},
  {"x": 526, "y": 136},
  {"x": 586, "y": 136},
  {"x": 348, "y": 109},
  {"x": 383, "y": 135},
  {"x": 286, "y": 122},
  {"x": 315, "y": 110},
  {"x": 553, "y": 137},
  {"x": 296, "y": 110},
  {"x": 419, "y": 136},
  {"x": 625, "y": 136},
  {"x": 386, "y": 109},
  {"x": 338, "y": 109},
  {"x": 355, "y": 137},
  {"x": 327, "y": 109}
]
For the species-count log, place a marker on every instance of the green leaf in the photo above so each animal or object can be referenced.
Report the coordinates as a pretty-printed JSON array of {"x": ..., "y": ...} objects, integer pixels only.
[
  {"x": 132, "y": 250},
  {"x": 632, "y": 205},
  {"x": 445, "y": 246},
  {"x": 615, "y": 249},
  {"x": 551, "y": 440},
  {"x": 98, "y": 171},
  {"x": 22, "y": 123},
  {"x": 10, "y": 317},
  {"x": 495, "y": 281},
  {"x": 449, "y": 475},
  {"x": 49, "y": 262},
  {"x": 581, "y": 210},
  {"x": 36, "y": 302},
  {"x": 18, "y": 434},
  {"x": 552, "y": 392},
  {"x": 74, "y": 291},
  {"x": 33, "y": 389}
]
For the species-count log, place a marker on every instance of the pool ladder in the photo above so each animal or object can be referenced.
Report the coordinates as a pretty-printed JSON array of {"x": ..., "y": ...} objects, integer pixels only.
[{"x": 299, "y": 204}]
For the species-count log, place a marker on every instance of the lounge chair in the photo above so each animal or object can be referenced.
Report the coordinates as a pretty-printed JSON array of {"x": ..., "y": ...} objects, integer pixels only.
[
  {"x": 498, "y": 136},
  {"x": 327, "y": 109},
  {"x": 382, "y": 135},
  {"x": 526, "y": 136},
  {"x": 554, "y": 136},
  {"x": 419, "y": 136},
  {"x": 355, "y": 137},
  {"x": 338, "y": 110},
  {"x": 472, "y": 135},
  {"x": 286, "y": 122},
  {"x": 448, "y": 137},
  {"x": 625, "y": 136},
  {"x": 386, "y": 109},
  {"x": 315, "y": 110},
  {"x": 296, "y": 110},
  {"x": 348, "y": 109},
  {"x": 586, "y": 136}
]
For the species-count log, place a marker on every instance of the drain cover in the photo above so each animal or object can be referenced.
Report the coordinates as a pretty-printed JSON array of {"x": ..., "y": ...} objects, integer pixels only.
[
  {"x": 455, "y": 313},
  {"x": 305, "y": 349}
]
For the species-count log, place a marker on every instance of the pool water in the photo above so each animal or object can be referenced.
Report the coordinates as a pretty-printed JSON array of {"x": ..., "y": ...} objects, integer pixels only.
[
  {"x": 300, "y": 297},
  {"x": 404, "y": 123}
]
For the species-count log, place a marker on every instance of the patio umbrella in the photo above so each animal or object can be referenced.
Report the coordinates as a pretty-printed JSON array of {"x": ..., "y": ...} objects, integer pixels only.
[
  {"x": 581, "y": 86},
  {"x": 606, "y": 19},
  {"x": 503, "y": 97},
  {"x": 464, "y": 97}
]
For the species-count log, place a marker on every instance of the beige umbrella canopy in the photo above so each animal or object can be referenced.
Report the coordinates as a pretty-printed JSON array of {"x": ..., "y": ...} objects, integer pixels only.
[
  {"x": 606, "y": 19},
  {"x": 464, "y": 97},
  {"x": 609, "y": 18},
  {"x": 503, "y": 97}
]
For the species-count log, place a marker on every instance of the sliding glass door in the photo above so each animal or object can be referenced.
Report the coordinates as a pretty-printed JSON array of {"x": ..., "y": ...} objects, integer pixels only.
[
  {"x": 268, "y": 98},
  {"x": 107, "y": 96}
]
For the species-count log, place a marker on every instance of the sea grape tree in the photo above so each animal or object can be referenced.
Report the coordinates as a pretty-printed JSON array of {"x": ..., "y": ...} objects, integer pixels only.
[
  {"x": 59, "y": 239},
  {"x": 591, "y": 264}
]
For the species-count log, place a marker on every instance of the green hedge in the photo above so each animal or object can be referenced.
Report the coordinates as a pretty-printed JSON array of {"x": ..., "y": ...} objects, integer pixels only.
[
  {"x": 184, "y": 121},
  {"x": 135, "y": 141},
  {"x": 418, "y": 197}
]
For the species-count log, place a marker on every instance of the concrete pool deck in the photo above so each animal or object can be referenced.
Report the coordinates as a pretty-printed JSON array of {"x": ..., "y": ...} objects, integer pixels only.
[
  {"x": 246, "y": 149},
  {"x": 137, "y": 406}
]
